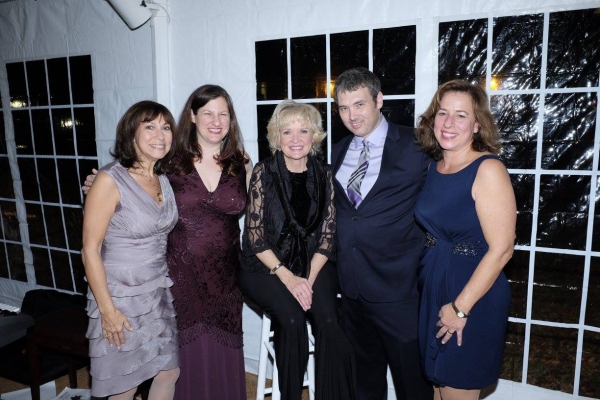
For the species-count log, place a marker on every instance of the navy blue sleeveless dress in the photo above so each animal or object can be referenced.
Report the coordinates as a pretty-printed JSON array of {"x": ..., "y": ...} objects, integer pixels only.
[{"x": 455, "y": 245}]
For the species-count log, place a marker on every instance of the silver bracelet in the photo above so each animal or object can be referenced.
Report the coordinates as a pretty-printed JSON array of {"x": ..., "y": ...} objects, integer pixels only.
[{"x": 275, "y": 268}]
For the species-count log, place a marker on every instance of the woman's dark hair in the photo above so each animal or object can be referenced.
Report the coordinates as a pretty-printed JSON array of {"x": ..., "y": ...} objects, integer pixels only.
[
  {"x": 232, "y": 156},
  {"x": 485, "y": 139},
  {"x": 139, "y": 113}
]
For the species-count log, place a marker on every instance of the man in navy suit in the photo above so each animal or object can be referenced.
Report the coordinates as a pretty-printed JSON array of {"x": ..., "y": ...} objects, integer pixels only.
[{"x": 379, "y": 241}]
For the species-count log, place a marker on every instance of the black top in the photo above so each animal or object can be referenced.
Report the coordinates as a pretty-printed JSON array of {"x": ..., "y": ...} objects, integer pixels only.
[{"x": 268, "y": 227}]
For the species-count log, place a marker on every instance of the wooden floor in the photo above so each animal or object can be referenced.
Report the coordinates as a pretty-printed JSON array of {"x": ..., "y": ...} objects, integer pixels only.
[{"x": 83, "y": 381}]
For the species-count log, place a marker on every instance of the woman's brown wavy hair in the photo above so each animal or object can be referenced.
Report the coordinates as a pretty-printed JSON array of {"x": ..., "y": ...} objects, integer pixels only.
[
  {"x": 486, "y": 139},
  {"x": 232, "y": 156}
]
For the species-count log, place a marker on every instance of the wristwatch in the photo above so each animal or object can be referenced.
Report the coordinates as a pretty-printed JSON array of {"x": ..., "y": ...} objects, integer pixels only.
[{"x": 459, "y": 314}]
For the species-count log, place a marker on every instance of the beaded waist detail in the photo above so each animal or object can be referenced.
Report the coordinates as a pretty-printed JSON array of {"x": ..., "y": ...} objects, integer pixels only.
[{"x": 469, "y": 249}]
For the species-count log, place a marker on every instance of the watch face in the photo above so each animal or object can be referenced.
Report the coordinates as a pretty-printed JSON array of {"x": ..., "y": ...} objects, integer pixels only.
[{"x": 460, "y": 314}]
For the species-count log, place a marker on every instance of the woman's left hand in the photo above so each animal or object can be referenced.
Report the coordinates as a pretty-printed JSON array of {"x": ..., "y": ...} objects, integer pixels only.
[
  {"x": 299, "y": 287},
  {"x": 450, "y": 324}
]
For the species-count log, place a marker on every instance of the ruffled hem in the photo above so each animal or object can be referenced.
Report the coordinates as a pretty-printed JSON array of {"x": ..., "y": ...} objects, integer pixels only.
[
  {"x": 116, "y": 385},
  {"x": 123, "y": 297},
  {"x": 125, "y": 361},
  {"x": 139, "y": 306},
  {"x": 123, "y": 285}
]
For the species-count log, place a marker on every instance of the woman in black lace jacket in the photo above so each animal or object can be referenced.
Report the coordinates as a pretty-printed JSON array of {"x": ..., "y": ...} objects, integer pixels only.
[{"x": 288, "y": 245}]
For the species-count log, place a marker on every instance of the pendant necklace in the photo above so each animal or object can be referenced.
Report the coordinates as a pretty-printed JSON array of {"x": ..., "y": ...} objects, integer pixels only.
[{"x": 159, "y": 196}]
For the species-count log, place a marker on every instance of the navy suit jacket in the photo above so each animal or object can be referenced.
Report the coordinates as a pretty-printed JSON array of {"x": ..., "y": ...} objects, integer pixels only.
[{"x": 379, "y": 244}]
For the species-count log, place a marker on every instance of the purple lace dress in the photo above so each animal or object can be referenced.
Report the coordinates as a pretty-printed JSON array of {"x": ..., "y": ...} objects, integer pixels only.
[
  {"x": 133, "y": 253},
  {"x": 204, "y": 259}
]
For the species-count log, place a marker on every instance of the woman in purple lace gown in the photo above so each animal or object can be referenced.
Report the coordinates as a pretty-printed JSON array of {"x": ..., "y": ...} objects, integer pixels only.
[{"x": 209, "y": 181}]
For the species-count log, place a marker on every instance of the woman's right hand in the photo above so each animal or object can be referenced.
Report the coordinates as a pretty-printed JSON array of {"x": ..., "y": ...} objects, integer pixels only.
[
  {"x": 88, "y": 181},
  {"x": 113, "y": 323},
  {"x": 300, "y": 288}
]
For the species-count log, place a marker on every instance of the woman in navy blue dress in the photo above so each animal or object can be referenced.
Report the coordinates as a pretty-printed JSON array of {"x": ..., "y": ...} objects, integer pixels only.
[{"x": 467, "y": 207}]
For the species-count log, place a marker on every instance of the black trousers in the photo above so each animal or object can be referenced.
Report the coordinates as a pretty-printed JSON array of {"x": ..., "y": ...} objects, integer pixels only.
[
  {"x": 386, "y": 334},
  {"x": 335, "y": 365}
]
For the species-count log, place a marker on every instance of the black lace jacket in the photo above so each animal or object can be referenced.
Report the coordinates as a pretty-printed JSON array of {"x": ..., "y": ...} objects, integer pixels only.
[{"x": 265, "y": 217}]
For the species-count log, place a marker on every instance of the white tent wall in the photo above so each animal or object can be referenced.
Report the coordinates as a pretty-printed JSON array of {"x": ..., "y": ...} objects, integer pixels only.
[{"x": 121, "y": 69}]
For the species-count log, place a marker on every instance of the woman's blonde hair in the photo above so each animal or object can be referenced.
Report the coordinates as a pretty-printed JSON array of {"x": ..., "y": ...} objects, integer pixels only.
[{"x": 288, "y": 112}]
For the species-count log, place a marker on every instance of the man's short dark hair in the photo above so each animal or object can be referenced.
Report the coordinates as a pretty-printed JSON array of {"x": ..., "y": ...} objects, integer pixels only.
[{"x": 354, "y": 78}]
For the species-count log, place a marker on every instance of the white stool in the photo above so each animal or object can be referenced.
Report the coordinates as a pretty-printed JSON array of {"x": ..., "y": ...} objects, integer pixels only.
[{"x": 267, "y": 350}]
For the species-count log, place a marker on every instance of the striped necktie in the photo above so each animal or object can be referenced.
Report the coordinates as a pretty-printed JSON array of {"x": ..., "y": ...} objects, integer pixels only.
[{"x": 357, "y": 176}]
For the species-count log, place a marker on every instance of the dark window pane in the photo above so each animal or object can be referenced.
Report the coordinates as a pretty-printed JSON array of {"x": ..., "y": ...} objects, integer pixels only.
[
  {"x": 17, "y": 86},
  {"x": 463, "y": 50},
  {"x": 22, "y": 132},
  {"x": 35, "y": 224},
  {"x": 552, "y": 353},
  {"x": 62, "y": 270},
  {"x": 348, "y": 50},
  {"x": 85, "y": 130},
  {"x": 58, "y": 80},
  {"x": 41, "y": 265},
  {"x": 74, "y": 222},
  {"x": 78, "y": 273},
  {"x": 309, "y": 69},
  {"x": 29, "y": 183},
  {"x": 569, "y": 127},
  {"x": 558, "y": 284},
  {"x": 10, "y": 223},
  {"x": 517, "y": 120},
  {"x": 400, "y": 112},
  {"x": 524, "y": 186},
  {"x": 590, "y": 366},
  {"x": 512, "y": 360},
  {"x": 81, "y": 79},
  {"x": 47, "y": 177},
  {"x": 573, "y": 51},
  {"x": 592, "y": 316},
  {"x": 6, "y": 188},
  {"x": 3, "y": 261},
  {"x": 70, "y": 187},
  {"x": 338, "y": 129},
  {"x": 54, "y": 225},
  {"x": 596, "y": 228},
  {"x": 2, "y": 135},
  {"x": 517, "y": 52},
  {"x": 322, "y": 107},
  {"x": 16, "y": 262},
  {"x": 517, "y": 272},
  {"x": 394, "y": 52},
  {"x": 263, "y": 115},
  {"x": 63, "y": 131},
  {"x": 36, "y": 81},
  {"x": 563, "y": 208},
  {"x": 42, "y": 132},
  {"x": 271, "y": 70}
]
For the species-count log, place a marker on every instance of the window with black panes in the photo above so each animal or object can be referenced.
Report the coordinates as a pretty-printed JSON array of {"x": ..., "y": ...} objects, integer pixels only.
[
  {"x": 542, "y": 81},
  {"x": 52, "y": 109}
]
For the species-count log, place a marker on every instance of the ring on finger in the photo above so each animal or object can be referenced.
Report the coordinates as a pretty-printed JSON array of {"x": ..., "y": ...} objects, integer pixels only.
[{"x": 449, "y": 332}]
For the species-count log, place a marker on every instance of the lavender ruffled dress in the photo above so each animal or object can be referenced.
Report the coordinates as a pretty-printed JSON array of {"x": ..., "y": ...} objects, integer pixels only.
[{"x": 134, "y": 256}]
